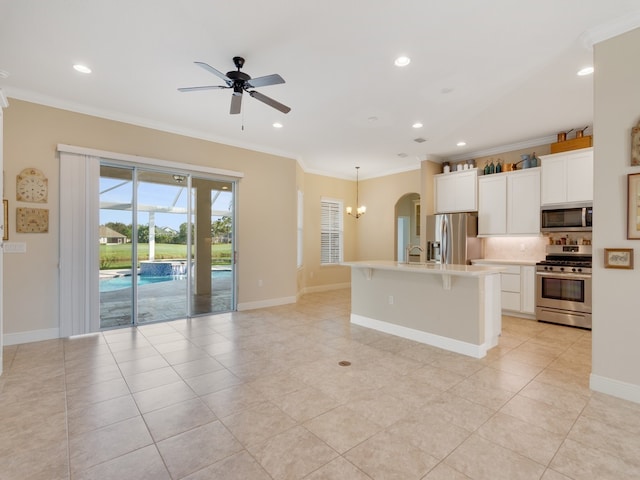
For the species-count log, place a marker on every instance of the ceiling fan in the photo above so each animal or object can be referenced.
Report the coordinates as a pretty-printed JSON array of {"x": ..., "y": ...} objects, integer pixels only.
[{"x": 241, "y": 82}]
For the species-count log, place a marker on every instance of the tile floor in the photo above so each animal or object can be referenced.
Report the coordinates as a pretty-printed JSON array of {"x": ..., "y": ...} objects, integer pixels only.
[{"x": 260, "y": 395}]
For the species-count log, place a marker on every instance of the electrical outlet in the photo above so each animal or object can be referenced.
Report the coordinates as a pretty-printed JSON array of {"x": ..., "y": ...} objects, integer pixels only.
[
  {"x": 259, "y": 283},
  {"x": 391, "y": 299},
  {"x": 522, "y": 247}
]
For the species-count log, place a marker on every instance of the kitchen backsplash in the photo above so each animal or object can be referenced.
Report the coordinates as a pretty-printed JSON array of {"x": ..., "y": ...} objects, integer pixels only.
[
  {"x": 515, "y": 248},
  {"x": 528, "y": 248}
]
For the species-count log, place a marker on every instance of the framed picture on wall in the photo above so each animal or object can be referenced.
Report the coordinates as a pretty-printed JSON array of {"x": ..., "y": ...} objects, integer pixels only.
[
  {"x": 618, "y": 258},
  {"x": 635, "y": 146},
  {"x": 5, "y": 231},
  {"x": 633, "y": 206}
]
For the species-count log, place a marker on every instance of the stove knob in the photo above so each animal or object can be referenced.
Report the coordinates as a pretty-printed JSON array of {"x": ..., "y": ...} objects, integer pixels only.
[
  {"x": 573, "y": 270},
  {"x": 579, "y": 270},
  {"x": 562, "y": 269}
]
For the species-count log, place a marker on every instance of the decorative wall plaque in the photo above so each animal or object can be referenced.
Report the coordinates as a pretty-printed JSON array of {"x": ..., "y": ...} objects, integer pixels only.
[
  {"x": 32, "y": 220},
  {"x": 32, "y": 186}
]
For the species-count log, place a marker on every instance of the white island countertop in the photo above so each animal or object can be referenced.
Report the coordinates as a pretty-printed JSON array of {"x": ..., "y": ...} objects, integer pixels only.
[{"x": 428, "y": 268}]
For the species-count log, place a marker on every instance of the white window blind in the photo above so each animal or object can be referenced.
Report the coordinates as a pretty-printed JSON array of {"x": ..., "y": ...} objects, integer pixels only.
[
  {"x": 300, "y": 257},
  {"x": 330, "y": 231}
]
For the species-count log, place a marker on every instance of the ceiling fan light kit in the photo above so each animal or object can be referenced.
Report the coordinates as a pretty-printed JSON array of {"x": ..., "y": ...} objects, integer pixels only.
[{"x": 241, "y": 82}]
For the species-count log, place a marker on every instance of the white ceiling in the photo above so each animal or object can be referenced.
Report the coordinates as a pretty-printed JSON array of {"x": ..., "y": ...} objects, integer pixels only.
[{"x": 509, "y": 67}]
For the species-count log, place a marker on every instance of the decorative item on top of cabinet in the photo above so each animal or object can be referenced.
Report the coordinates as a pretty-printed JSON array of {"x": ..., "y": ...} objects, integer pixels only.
[
  {"x": 579, "y": 142},
  {"x": 32, "y": 186}
]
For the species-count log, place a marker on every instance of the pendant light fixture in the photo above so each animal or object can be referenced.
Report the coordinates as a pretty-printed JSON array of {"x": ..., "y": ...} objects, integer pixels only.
[{"x": 360, "y": 210}]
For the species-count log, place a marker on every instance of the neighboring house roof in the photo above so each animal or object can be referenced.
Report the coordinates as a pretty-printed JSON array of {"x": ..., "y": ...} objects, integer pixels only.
[{"x": 106, "y": 232}]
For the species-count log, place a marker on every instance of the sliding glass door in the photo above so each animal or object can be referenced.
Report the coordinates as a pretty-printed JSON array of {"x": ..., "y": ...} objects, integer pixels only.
[{"x": 166, "y": 245}]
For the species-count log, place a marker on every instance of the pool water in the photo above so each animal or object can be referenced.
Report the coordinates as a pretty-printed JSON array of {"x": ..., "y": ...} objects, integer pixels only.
[{"x": 119, "y": 283}]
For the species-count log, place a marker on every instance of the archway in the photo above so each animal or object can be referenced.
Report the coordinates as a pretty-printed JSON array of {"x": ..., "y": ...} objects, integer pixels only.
[{"x": 407, "y": 226}]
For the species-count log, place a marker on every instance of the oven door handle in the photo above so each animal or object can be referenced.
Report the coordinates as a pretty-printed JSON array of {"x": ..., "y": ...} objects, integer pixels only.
[{"x": 577, "y": 276}]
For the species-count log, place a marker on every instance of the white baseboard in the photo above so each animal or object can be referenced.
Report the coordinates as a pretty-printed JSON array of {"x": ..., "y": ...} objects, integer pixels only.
[
  {"x": 469, "y": 349},
  {"x": 512, "y": 313},
  {"x": 31, "y": 336},
  {"x": 271, "y": 302},
  {"x": 616, "y": 388},
  {"x": 326, "y": 288}
]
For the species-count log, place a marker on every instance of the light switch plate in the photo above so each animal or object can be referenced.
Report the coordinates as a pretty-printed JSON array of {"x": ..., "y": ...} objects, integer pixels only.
[{"x": 14, "y": 247}]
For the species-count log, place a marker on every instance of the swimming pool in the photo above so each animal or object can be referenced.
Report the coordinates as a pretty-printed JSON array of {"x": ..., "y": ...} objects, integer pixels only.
[{"x": 119, "y": 283}]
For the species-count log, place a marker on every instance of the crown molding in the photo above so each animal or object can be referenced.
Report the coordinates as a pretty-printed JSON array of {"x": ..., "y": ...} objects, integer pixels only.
[
  {"x": 611, "y": 29},
  {"x": 115, "y": 116},
  {"x": 534, "y": 142},
  {"x": 4, "y": 103}
]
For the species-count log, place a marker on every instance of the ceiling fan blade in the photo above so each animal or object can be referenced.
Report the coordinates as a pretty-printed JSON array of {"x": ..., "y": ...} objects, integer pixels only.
[
  {"x": 236, "y": 103},
  {"x": 217, "y": 73},
  {"x": 208, "y": 87},
  {"x": 266, "y": 80},
  {"x": 270, "y": 101}
]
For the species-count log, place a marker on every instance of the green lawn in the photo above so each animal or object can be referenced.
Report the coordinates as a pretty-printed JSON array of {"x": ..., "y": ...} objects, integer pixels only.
[{"x": 119, "y": 256}]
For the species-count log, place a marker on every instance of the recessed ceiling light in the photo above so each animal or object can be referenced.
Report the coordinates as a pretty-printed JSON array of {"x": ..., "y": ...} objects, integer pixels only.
[
  {"x": 81, "y": 68},
  {"x": 277, "y": 125},
  {"x": 417, "y": 125},
  {"x": 461, "y": 144},
  {"x": 402, "y": 61},
  {"x": 585, "y": 71},
  {"x": 446, "y": 90}
]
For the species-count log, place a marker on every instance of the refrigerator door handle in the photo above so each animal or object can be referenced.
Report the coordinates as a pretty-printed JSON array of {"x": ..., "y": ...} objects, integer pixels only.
[{"x": 444, "y": 240}]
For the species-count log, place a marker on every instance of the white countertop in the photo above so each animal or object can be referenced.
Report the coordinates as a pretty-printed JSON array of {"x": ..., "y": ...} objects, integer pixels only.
[
  {"x": 427, "y": 268},
  {"x": 500, "y": 261}
]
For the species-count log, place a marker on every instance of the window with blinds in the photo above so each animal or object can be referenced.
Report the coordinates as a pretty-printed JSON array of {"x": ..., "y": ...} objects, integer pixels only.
[
  {"x": 330, "y": 231},
  {"x": 300, "y": 230}
]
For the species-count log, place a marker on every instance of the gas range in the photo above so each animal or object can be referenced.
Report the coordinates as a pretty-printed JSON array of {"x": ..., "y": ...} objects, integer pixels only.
[
  {"x": 563, "y": 286},
  {"x": 566, "y": 259}
]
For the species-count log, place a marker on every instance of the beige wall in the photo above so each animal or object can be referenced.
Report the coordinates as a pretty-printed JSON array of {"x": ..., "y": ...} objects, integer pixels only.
[
  {"x": 266, "y": 222},
  {"x": 376, "y": 231},
  {"x": 616, "y": 303},
  {"x": 316, "y": 277}
]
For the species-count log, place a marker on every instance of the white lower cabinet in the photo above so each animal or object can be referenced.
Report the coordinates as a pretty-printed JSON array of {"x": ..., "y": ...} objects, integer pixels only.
[
  {"x": 528, "y": 281},
  {"x": 511, "y": 288},
  {"x": 518, "y": 288}
]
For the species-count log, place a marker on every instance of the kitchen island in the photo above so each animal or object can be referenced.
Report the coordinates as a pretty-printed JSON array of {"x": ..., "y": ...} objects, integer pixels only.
[{"x": 454, "y": 307}]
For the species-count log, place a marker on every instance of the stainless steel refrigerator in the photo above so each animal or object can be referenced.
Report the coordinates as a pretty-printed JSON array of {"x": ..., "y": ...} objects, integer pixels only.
[{"x": 452, "y": 238}]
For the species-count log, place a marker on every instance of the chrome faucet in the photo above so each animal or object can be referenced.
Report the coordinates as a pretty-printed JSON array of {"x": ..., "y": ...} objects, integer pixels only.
[{"x": 409, "y": 249}]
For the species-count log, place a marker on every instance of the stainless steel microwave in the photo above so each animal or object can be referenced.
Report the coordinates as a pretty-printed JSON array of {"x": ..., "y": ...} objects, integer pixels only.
[{"x": 572, "y": 218}]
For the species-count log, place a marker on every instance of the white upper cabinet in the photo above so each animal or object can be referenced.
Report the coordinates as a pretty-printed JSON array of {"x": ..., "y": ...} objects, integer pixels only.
[
  {"x": 456, "y": 191},
  {"x": 567, "y": 177},
  {"x": 523, "y": 202},
  {"x": 492, "y": 204},
  {"x": 509, "y": 203}
]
